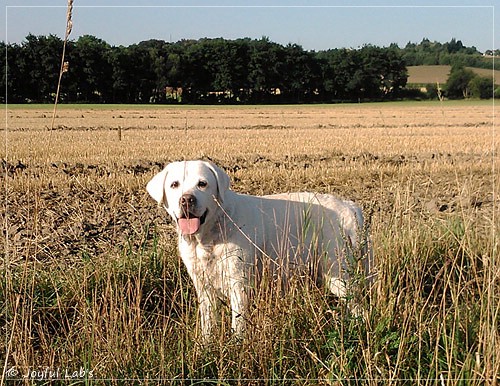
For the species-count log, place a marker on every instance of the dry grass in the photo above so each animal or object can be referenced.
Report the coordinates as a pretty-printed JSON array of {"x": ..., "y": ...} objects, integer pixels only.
[{"x": 93, "y": 281}]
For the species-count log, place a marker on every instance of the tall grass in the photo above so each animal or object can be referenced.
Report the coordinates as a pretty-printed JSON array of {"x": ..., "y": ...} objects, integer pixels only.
[{"x": 431, "y": 319}]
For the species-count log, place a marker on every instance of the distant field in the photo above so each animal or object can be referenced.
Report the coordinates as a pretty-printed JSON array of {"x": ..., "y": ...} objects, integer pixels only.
[
  {"x": 433, "y": 74},
  {"x": 93, "y": 282}
]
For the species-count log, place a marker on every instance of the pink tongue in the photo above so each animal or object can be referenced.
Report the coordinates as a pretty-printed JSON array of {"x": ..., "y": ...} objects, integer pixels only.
[{"x": 189, "y": 226}]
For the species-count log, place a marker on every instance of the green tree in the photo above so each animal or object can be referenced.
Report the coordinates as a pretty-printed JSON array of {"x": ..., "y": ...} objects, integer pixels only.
[
  {"x": 39, "y": 63},
  {"x": 265, "y": 68},
  {"x": 454, "y": 46},
  {"x": 299, "y": 78},
  {"x": 162, "y": 68},
  {"x": 198, "y": 73},
  {"x": 122, "y": 91},
  {"x": 481, "y": 87},
  {"x": 90, "y": 71},
  {"x": 458, "y": 84},
  {"x": 140, "y": 72},
  {"x": 342, "y": 74},
  {"x": 14, "y": 81},
  {"x": 368, "y": 73}
]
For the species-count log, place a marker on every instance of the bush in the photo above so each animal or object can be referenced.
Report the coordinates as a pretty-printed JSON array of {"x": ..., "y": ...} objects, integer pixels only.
[
  {"x": 481, "y": 87},
  {"x": 457, "y": 86}
]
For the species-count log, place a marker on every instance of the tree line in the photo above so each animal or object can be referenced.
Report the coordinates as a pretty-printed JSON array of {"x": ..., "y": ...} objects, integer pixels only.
[
  {"x": 452, "y": 53},
  {"x": 201, "y": 71}
]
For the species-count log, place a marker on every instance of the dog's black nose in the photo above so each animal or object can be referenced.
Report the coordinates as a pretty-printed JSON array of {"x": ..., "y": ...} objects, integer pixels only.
[{"x": 187, "y": 200}]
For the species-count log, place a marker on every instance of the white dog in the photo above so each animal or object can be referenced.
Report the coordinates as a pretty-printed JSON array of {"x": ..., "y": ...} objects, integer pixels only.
[{"x": 227, "y": 240}]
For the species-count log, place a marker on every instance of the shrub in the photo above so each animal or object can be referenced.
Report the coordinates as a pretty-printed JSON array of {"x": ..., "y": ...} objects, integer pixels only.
[{"x": 481, "y": 87}]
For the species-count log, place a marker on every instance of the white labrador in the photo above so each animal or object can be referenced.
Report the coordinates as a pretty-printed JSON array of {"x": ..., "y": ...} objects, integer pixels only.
[{"x": 227, "y": 240}]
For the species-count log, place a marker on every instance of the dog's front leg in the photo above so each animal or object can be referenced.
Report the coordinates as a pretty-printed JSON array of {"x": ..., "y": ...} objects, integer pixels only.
[
  {"x": 207, "y": 310},
  {"x": 239, "y": 304}
]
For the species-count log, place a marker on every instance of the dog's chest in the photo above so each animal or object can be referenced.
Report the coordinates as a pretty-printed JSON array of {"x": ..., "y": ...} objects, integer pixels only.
[{"x": 217, "y": 266}]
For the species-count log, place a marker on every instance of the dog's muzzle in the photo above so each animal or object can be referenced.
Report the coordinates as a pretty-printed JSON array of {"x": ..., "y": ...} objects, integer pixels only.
[{"x": 188, "y": 222}]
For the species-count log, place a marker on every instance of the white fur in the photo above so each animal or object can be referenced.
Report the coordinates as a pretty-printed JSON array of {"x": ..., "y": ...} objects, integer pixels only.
[{"x": 244, "y": 236}]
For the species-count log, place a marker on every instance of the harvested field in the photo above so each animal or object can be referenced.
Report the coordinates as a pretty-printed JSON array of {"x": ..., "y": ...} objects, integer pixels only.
[
  {"x": 440, "y": 73},
  {"x": 90, "y": 258}
]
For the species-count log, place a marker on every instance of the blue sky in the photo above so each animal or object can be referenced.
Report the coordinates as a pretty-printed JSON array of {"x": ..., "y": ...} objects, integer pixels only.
[{"x": 315, "y": 25}]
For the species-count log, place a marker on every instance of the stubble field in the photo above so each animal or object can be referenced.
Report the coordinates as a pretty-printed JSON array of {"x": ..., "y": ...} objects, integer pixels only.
[{"x": 93, "y": 281}]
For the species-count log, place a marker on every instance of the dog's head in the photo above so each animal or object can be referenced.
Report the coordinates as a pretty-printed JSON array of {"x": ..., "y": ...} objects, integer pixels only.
[{"x": 190, "y": 192}]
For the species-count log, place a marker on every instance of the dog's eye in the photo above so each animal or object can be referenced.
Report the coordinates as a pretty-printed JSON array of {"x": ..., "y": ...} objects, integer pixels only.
[
  {"x": 202, "y": 184},
  {"x": 174, "y": 185}
]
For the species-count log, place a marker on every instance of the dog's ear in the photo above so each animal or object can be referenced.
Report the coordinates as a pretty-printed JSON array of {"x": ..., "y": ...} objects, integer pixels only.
[
  {"x": 156, "y": 187},
  {"x": 222, "y": 178}
]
